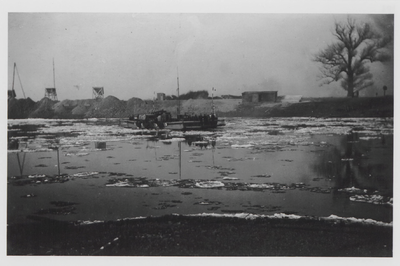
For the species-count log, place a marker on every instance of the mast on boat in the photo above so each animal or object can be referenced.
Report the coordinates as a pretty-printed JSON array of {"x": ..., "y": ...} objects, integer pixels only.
[
  {"x": 179, "y": 101},
  {"x": 212, "y": 100}
]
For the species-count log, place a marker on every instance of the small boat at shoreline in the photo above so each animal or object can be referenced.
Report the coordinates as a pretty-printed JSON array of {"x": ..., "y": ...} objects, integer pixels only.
[{"x": 163, "y": 120}]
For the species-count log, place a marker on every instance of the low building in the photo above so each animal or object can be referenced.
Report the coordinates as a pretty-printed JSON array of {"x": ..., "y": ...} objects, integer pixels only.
[
  {"x": 160, "y": 96},
  {"x": 259, "y": 96}
]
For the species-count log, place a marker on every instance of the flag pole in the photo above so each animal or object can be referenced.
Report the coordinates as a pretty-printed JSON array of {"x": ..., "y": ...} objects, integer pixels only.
[{"x": 212, "y": 100}]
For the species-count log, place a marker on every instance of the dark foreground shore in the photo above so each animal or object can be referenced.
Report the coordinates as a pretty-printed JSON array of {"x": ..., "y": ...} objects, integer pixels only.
[{"x": 201, "y": 236}]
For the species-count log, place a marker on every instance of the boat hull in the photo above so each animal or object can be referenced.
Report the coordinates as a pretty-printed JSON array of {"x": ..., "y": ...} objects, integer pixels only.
[{"x": 178, "y": 125}]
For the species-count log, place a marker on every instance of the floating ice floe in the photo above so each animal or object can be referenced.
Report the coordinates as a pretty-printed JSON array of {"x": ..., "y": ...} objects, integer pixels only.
[
  {"x": 263, "y": 186},
  {"x": 79, "y": 154},
  {"x": 230, "y": 178},
  {"x": 333, "y": 218},
  {"x": 79, "y": 222},
  {"x": 172, "y": 140},
  {"x": 250, "y": 216},
  {"x": 238, "y": 146},
  {"x": 209, "y": 184},
  {"x": 368, "y": 138},
  {"x": 38, "y": 179},
  {"x": 374, "y": 199},
  {"x": 120, "y": 184},
  {"x": 136, "y": 182},
  {"x": 356, "y": 220},
  {"x": 352, "y": 190},
  {"x": 83, "y": 174},
  {"x": 36, "y": 176},
  {"x": 132, "y": 218},
  {"x": 30, "y": 150}
]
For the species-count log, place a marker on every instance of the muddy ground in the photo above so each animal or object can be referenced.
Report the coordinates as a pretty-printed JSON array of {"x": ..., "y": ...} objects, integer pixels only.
[{"x": 201, "y": 236}]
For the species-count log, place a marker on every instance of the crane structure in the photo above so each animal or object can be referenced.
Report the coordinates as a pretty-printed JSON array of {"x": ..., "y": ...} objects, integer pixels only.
[
  {"x": 98, "y": 93},
  {"x": 12, "y": 93},
  {"x": 51, "y": 93}
]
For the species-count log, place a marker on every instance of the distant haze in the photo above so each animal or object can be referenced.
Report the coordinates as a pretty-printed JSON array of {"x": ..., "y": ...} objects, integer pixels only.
[{"x": 138, "y": 55}]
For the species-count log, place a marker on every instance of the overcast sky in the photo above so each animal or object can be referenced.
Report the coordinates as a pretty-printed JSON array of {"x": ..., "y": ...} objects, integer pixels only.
[{"x": 139, "y": 54}]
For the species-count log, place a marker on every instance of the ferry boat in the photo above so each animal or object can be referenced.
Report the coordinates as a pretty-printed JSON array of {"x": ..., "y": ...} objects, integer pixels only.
[{"x": 162, "y": 119}]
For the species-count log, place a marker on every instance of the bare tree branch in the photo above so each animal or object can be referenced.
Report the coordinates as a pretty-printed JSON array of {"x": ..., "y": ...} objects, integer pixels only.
[{"x": 345, "y": 59}]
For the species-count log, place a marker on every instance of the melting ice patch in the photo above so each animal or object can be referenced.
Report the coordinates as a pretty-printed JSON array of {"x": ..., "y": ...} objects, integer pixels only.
[
  {"x": 361, "y": 195},
  {"x": 237, "y": 133},
  {"x": 297, "y": 131},
  {"x": 238, "y": 146},
  {"x": 85, "y": 174},
  {"x": 332, "y": 218},
  {"x": 209, "y": 184},
  {"x": 230, "y": 178},
  {"x": 352, "y": 190},
  {"x": 374, "y": 199},
  {"x": 316, "y": 125}
]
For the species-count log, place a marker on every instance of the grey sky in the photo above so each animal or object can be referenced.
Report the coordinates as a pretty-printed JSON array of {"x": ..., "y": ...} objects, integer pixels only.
[{"x": 137, "y": 55}]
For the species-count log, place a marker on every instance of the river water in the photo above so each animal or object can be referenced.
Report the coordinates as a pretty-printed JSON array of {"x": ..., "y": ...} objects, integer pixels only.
[{"x": 303, "y": 166}]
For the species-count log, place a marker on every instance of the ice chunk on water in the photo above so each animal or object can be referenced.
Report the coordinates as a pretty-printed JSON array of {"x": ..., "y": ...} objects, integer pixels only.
[
  {"x": 83, "y": 174},
  {"x": 287, "y": 216},
  {"x": 119, "y": 184},
  {"x": 238, "y": 146},
  {"x": 374, "y": 199},
  {"x": 265, "y": 186},
  {"x": 230, "y": 178},
  {"x": 332, "y": 217},
  {"x": 79, "y": 154},
  {"x": 352, "y": 190},
  {"x": 79, "y": 222},
  {"x": 356, "y": 220},
  {"x": 209, "y": 184}
]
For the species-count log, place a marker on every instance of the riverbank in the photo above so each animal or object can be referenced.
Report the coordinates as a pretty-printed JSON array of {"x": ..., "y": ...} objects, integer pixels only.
[
  {"x": 112, "y": 107},
  {"x": 202, "y": 236}
]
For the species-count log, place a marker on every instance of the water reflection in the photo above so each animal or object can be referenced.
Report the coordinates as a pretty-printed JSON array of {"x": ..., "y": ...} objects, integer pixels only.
[
  {"x": 102, "y": 145},
  {"x": 352, "y": 161},
  {"x": 21, "y": 163},
  {"x": 200, "y": 141}
]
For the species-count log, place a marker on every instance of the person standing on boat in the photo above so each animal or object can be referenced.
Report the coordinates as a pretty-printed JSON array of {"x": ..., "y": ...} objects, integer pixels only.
[{"x": 163, "y": 117}]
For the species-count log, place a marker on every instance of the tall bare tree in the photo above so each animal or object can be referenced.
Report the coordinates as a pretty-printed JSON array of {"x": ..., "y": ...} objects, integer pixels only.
[{"x": 347, "y": 59}]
